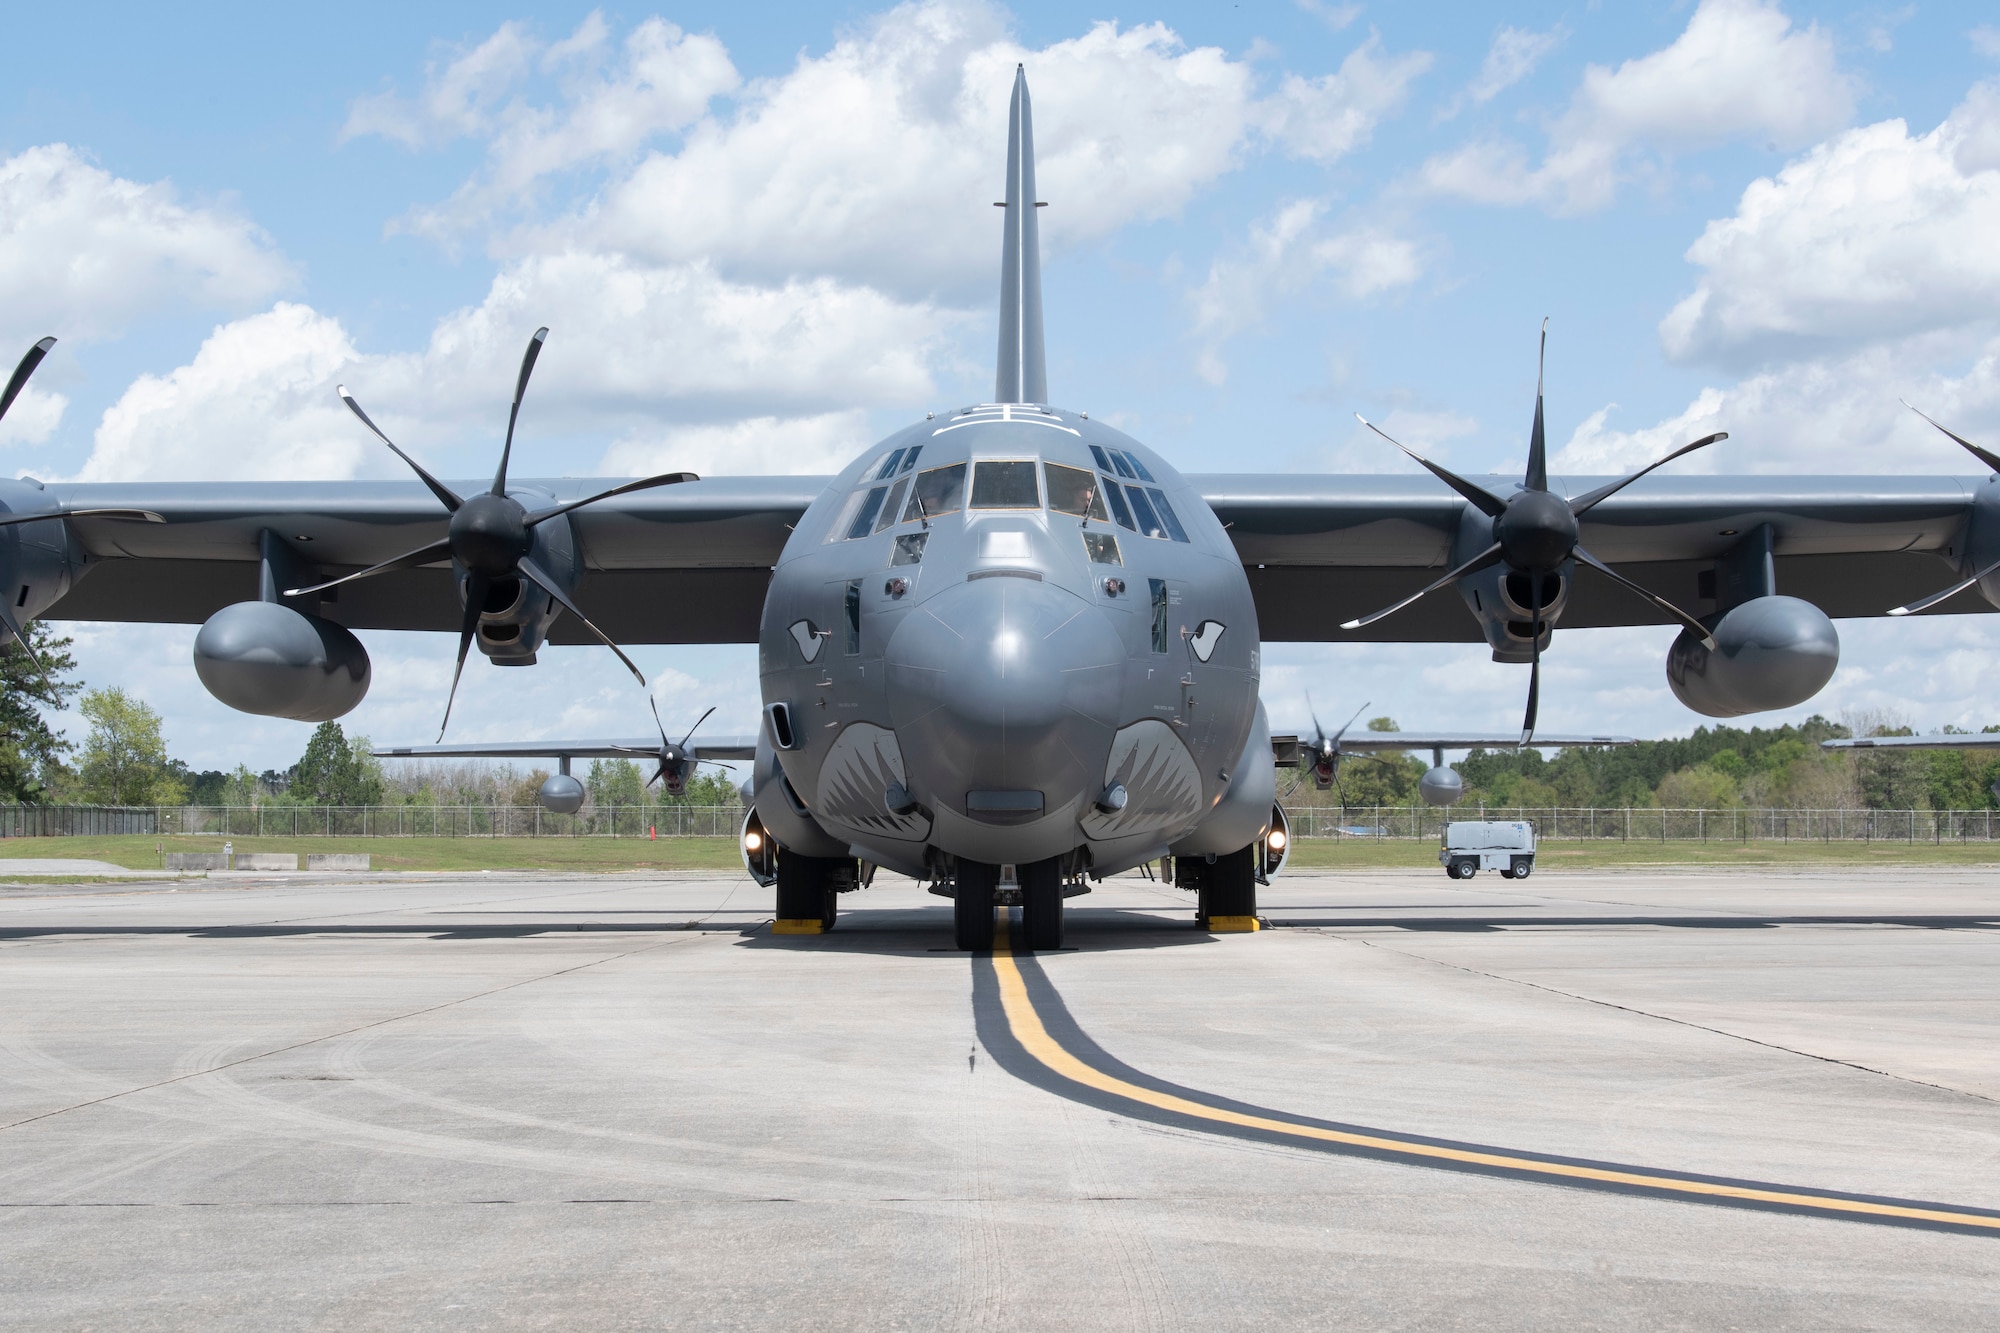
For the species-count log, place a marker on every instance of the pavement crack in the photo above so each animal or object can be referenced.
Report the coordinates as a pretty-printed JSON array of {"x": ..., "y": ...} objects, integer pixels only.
[
  {"x": 1662, "y": 1018},
  {"x": 335, "y": 1036}
]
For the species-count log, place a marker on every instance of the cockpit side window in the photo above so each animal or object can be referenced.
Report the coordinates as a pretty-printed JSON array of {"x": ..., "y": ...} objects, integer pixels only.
[
  {"x": 1072, "y": 490},
  {"x": 1168, "y": 516},
  {"x": 910, "y": 548},
  {"x": 893, "y": 505},
  {"x": 1115, "y": 494},
  {"x": 1102, "y": 548},
  {"x": 939, "y": 491},
  {"x": 1005, "y": 484},
  {"x": 864, "y": 517},
  {"x": 1142, "y": 510}
]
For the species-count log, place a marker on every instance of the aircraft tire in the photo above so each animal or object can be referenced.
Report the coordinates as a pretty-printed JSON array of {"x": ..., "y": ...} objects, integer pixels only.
[
  {"x": 972, "y": 906},
  {"x": 1042, "y": 903},
  {"x": 805, "y": 889},
  {"x": 1227, "y": 890}
]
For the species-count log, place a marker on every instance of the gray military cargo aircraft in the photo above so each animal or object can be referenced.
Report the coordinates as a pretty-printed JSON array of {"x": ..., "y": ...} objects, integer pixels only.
[{"x": 1008, "y": 635}]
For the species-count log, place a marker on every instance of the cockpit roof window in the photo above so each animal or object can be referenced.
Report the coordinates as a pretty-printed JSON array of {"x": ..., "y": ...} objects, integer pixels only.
[
  {"x": 888, "y": 465},
  {"x": 940, "y": 490},
  {"x": 1124, "y": 468},
  {"x": 910, "y": 457},
  {"x": 1103, "y": 462},
  {"x": 1006, "y": 484},
  {"x": 1137, "y": 466},
  {"x": 1073, "y": 490}
]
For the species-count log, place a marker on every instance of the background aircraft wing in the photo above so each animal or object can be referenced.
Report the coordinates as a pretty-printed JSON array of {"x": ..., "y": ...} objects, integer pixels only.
[
  {"x": 682, "y": 564},
  {"x": 1983, "y": 741},
  {"x": 1285, "y": 749},
  {"x": 1324, "y": 549},
  {"x": 637, "y": 747}
]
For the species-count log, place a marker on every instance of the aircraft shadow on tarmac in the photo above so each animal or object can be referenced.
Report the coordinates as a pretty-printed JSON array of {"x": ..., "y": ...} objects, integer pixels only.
[
  {"x": 906, "y": 933},
  {"x": 1478, "y": 924}
]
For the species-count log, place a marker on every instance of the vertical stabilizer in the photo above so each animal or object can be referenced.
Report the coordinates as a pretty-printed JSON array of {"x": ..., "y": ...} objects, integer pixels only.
[{"x": 1023, "y": 374}]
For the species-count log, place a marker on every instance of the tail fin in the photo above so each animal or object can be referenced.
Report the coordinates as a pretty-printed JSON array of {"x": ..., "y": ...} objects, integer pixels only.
[{"x": 1023, "y": 375}]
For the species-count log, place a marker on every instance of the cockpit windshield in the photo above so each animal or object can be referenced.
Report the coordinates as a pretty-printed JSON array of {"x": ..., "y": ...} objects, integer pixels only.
[{"x": 1006, "y": 485}]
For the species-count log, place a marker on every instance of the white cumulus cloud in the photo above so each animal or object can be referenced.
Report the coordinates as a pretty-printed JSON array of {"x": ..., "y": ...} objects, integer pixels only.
[
  {"x": 1875, "y": 234},
  {"x": 83, "y": 253},
  {"x": 1740, "y": 70}
]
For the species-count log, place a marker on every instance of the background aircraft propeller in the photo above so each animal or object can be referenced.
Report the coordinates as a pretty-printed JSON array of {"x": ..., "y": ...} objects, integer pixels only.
[
  {"x": 673, "y": 753},
  {"x": 1535, "y": 531},
  {"x": 1992, "y": 461},
  {"x": 491, "y": 534}
]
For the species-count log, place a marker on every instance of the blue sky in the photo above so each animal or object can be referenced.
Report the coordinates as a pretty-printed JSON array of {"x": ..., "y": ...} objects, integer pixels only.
[{"x": 762, "y": 237}]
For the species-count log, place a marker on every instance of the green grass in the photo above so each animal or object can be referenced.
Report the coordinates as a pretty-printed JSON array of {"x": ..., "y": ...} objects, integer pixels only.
[{"x": 138, "y": 852}]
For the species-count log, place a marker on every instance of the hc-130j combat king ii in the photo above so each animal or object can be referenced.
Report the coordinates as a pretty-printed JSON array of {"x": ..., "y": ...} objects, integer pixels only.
[{"x": 1007, "y": 635}]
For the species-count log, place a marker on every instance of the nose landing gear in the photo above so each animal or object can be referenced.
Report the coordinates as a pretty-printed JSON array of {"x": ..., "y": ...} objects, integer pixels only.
[{"x": 976, "y": 891}]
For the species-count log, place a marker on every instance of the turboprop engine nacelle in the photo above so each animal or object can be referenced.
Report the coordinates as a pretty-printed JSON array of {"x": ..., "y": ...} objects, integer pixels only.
[
  {"x": 1441, "y": 785},
  {"x": 1770, "y": 652},
  {"x": 266, "y": 658}
]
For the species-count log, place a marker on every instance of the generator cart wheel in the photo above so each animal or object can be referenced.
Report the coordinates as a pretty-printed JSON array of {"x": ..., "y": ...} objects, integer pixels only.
[
  {"x": 1464, "y": 868},
  {"x": 1523, "y": 866}
]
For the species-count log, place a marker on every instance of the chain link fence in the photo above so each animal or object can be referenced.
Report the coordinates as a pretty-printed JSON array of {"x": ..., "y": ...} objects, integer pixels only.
[{"x": 724, "y": 821}]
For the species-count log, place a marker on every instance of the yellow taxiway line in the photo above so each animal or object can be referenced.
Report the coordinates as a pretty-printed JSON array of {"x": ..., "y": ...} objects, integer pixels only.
[{"x": 1025, "y": 1024}]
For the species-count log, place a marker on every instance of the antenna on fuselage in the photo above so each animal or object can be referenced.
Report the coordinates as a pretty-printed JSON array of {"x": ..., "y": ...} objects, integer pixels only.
[{"x": 1023, "y": 372}]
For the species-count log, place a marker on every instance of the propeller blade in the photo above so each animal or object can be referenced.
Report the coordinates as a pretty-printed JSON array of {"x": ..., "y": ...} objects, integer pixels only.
[
  {"x": 443, "y": 492},
  {"x": 691, "y": 730},
  {"x": 423, "y": 555},
  {"x": 664, "y": 479},
  {"x": 1478, "y": 562},
  {"x": 1537, "y": 478},
  {"x": 1914, "y": 607},
  {"x": 19, "y": 379},
  {"x": 1987, "y": 457},
  {"x": 1534, "y": 680},
  {"x": 1345, "y": 725},
  {"x": 137, "y": 515},
  {"x": 1687, "y": 621},
  {"x": 520, "y": 391},
  {"x": 21, "y": 642},
  {"x": 475, "y": 597},
  {"x": 658, "y": 725},
  {"x": 541, "y": 579},
  {"x": 1484, "y": 500},
  {"x": 1589, "y": 499}
]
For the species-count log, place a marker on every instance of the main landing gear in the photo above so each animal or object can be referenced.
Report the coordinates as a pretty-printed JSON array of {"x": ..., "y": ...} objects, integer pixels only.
[
  {"x": 1225, "y": 889},
  {"x": 809, "y": 892}
]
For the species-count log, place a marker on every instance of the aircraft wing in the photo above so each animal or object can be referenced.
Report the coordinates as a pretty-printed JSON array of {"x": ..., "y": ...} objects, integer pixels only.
[
  {"x": 1324, "y": 549},
  {"x": 1983, "y": 741},
  {"x": 639, "y": 747},
  {"x": 680, "y": 564},
  {"x": 1286, "y": 749}
]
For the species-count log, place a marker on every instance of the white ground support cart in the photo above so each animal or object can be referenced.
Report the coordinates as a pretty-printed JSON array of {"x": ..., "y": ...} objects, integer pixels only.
[{"x": 1472, "y": 846}]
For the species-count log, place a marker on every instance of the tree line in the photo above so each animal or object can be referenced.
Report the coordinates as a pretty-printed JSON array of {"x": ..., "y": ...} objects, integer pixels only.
[
  {"x": 1715, "y": 768},
  {"x": 123, "y": 758}
]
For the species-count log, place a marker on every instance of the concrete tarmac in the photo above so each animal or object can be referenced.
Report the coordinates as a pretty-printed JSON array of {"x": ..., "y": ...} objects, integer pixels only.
[{"x": 532, "y": 1101}]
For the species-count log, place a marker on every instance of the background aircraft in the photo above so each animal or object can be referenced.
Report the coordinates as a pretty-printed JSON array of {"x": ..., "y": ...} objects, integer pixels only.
[{"x": 1009, "y": 635}]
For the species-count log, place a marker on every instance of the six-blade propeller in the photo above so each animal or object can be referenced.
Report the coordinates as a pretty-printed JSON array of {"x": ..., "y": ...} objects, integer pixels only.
[
  {"x": 1535, "y": 532},
  {"x": 491, "y": 534},
  {"x": 1992, "y": 461},
  {"x": 676, "y": 765}
]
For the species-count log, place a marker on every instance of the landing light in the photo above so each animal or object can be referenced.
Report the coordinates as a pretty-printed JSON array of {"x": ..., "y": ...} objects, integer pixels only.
[
  {"x": 1277, "y": 840},
  {"x": 753, "y": 840}
]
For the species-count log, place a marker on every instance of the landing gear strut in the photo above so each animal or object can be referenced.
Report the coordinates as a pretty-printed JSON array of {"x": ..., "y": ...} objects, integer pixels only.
[
  {"x": 972, "y": 906},
  {"x": 1042, "y": 903},
  {"x": 809, "y": 892},
  {"x": 1225, "y": 889}
]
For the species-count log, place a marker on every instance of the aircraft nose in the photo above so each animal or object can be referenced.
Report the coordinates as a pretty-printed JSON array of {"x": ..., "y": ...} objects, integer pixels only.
[{"x": 1005, "y": 684}]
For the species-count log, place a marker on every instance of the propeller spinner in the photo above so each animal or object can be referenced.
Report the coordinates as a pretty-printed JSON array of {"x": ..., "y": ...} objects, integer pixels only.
[
  {"x": 1536, "y": 532},
  {"x": 491, "y": 534}
]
